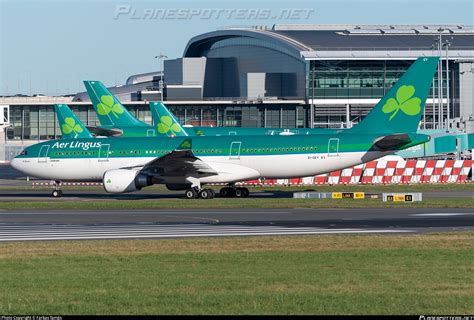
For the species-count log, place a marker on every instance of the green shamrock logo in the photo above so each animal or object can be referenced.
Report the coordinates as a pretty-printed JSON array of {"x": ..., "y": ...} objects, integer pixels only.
[
  {"x": 108, "y": 181},
  {"x": 71, "y": 126},
  {"x": 410, "y": 106},
  {"x": 108, "y": 105},
  {"x": 166, "y": 125},
  {"x": 199, "y": 132},
  {"x": 185, "y": 144}
]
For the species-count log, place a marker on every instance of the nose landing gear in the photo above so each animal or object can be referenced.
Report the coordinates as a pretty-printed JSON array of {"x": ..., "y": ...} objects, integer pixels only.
[{"x": 57, "y": 193}]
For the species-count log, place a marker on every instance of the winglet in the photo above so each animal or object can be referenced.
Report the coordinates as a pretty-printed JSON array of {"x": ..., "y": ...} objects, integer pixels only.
[{"x": 187, "y": 144}]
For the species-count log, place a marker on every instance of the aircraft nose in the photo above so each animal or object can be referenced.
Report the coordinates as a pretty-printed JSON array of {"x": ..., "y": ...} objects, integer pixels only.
[
  {"x": 15, "y": 163},
  {"x": 18, "y": 164}
]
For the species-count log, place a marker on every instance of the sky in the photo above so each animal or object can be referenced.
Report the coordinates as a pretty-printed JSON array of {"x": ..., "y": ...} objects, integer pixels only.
[{"x": 50, "y": 46}]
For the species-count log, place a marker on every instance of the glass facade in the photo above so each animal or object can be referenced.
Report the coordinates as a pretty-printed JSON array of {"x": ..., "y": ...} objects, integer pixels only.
[
  {"x": 247, "y": 41},
  {"x": 368, "y": 80},
  {"x": 362, "y": 79},
  {"x": 40, "y": 123},
  {"x": 326, "y": 80}
]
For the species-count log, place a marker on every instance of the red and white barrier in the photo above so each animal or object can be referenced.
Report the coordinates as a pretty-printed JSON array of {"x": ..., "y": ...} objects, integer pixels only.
[
  {"x": 419, "y": 170},
  {"x": 398, "y": 171},
  {"x": 320, "y": 179},
  {"x": 468, "y": 166},
  {"x": 429, "y": 171},
  {"x": 387, "y": 172},
  {"x": 369, "y": 172},
  {"x": 334, "y": 177}
]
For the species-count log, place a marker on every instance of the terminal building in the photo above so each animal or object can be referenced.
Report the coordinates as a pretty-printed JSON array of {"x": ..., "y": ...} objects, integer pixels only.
[{"x": 291, "y": 76}]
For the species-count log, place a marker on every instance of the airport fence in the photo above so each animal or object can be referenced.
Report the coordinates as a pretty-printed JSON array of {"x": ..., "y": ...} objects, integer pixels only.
[{"x": 385, "y": 172}]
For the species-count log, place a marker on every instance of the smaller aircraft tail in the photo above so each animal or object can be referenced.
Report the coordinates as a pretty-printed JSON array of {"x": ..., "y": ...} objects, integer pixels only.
[
  {"x": 165, "y": 122},
  {"x": 70, "y": 125},
  {"x": 401, "y": 109},
  {"x": 108, "y": 108}
]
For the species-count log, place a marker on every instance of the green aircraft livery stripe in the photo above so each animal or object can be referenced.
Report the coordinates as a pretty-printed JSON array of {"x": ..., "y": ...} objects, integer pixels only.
[{"x": 213, "y": 146}]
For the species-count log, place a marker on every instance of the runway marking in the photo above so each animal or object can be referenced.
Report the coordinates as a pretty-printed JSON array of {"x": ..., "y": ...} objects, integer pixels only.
[
  {"x": 203, "y": 219},
  {"x": 442, "y": 214},
  {"x": 130, "y": 231}
]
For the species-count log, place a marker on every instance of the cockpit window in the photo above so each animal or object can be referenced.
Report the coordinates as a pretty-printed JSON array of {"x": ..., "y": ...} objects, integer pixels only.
[{"x": 24, "y": 153}]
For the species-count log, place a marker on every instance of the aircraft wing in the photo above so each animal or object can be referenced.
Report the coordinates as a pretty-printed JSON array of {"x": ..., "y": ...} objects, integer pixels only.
[{"x": 178, "y": 163}]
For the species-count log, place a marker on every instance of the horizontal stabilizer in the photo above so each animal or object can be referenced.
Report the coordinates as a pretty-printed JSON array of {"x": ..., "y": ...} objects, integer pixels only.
[
  {"x": 395, "y": 142},
  {"x": 97, "y": 131}
]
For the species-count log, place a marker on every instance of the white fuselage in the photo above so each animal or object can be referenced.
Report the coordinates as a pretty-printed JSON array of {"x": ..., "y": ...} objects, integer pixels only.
[{"x": 251, "y": 166}]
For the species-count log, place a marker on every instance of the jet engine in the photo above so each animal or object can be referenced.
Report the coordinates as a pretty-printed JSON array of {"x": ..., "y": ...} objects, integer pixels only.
[{"x": 125, "y": 180}]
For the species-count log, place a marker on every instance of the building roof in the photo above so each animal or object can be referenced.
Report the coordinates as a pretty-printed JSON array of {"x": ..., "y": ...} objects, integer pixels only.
[
  {"x": 362, "y": 41},
  {"x": 378, "y": 37}
]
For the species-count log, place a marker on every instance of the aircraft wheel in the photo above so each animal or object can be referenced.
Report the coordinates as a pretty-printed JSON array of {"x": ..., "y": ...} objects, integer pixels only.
[
  {"x": 239, "y": 192},
  {"x": 190, "y": 194},
  {"x": 246, "y": 192},
  {"x": 56, "y": 193},
  {"x": 213, "y": 193},
  {"x": 206, "y": 194},
  {"x": 226, "y": 192}
]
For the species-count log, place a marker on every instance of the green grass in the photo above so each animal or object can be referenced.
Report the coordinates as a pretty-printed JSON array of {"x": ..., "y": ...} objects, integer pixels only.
[
  {"x": 332, "y": 274},
  {"x": 220, "y": 203},
  {"x": 256, "y": 202}
]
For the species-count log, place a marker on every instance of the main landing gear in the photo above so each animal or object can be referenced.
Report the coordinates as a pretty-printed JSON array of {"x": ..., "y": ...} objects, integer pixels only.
[
  {"x": 232, "y": 191},
  {"x": 194, "y": 193},
  {"x": 57, "y": 193},
  {"x": 226, "y": 192}
]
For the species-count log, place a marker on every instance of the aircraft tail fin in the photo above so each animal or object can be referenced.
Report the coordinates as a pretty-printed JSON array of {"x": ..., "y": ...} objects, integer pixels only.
[
  {"x": 70, "y": 125},
  {"x": 108, "y": 108},
  {"x": 165, "y": 122},
  {"x": 401, "y": 109}
]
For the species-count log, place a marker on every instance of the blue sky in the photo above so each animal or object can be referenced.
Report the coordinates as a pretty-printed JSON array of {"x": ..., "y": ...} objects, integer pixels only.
[{"x": 50, "y": 46}]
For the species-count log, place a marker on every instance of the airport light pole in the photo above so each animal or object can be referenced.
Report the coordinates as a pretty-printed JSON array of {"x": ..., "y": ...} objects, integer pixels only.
[
  {"x": 440, "y": 79},
  {"x": 448, "y": 109},
  {"x": 433, "y": 104},
  {"x": 161, "y": 58},
  {"x": 433, "y": 47}
]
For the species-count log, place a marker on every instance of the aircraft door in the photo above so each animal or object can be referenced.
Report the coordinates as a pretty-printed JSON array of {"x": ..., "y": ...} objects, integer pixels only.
[
  {"x": 104, "y": 153},
  {"x": 43, "y": 154},
  {"x": 235, "y": 150},
  {"x": 333, "y": 147}
]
